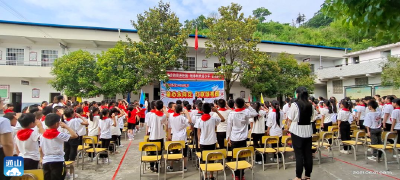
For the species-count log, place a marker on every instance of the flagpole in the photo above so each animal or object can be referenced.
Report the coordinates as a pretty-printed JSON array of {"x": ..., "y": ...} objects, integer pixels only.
[{"x": 196, "y": 50}]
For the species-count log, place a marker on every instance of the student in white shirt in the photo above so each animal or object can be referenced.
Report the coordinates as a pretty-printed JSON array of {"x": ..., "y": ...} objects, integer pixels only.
[
  {"x": 27, "y": 140},
  {"x": 386, "y": 114},
  {"x": 151, "y": 109},
  {"x": 221, "y": 128},
  {"x": 59, "y": 101},
  {"x": 81, "y": 123},
  {"x": 360, "y": 115},
  {"x": 106, "y": 121},
  {"x": 257, "y": 127},
  {"x": 70, "y": 147},
  {"x": 155, "y": 124},
  {"x": 206, "y": 128},
  {"x": 6, "y": 141},
  {"x": 195, "y": 120},
  {"x": 396, "y": 118},
  {"x": 51, "y": 147},
  {"x": 343, "y": 123},
  {"x": 12, "y": 116},
  {"x": 121, "y": 124},
  {"x": 373, "y": 124},
  {"x": 177, "y": 125},
  {"x": 237, "y": 126},
  {"x": 115, "y": 131},
  {"x": 286, "y": 107},
  {"x": 300, "y": 115},
  {"x": 327, "y": 113}
]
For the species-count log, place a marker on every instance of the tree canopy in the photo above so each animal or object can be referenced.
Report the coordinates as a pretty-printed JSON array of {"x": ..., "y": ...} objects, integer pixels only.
[
  {"x": 391, "y": 72},
  {"x": 261, "y": 13}
]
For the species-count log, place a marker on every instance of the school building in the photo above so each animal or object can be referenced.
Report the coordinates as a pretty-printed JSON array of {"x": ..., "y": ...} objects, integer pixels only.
[{"x": 27, "y": 51}]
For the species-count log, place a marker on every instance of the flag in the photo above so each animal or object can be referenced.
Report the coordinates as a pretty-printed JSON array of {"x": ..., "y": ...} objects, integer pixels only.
[
  {"x": 128, "y": 98},
  {"x": 249, "y": 97},
  {"x": 295, "y": 95},
  {"x": 141, "y": 97},
  {"x": 262, "y": 99},
  {"x": 196, "y": 41},
  {"x": 79, "y": 99}
]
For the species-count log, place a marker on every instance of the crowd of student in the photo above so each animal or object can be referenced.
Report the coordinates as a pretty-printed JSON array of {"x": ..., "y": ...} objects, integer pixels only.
[
  {"x": 59, "y": 126},
  {"x": 47, "y": 135}
]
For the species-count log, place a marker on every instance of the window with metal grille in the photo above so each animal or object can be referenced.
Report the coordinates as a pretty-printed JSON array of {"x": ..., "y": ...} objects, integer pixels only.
[
  {"x": 361, "y": 81},
  {"x": 15, "y": 56},
  {"x": 109, "y": 99},
  {"x": 48, "y": 57},
  {"x": 337, "y": 87},
  {"x": 312, "y": 66},
  {"x": 191, "y": 63}
]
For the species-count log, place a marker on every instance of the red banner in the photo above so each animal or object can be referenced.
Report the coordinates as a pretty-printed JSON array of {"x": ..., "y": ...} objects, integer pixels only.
[{"x": 201, "y": 76}]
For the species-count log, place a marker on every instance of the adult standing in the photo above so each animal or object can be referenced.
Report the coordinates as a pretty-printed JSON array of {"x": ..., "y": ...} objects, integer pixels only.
[
  {"x": 6, "y": 143},
  {"x": 300, "y": 115}
]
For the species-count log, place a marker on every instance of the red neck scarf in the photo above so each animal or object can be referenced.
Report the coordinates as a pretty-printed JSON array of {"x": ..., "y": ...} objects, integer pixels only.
[
  {"x": 388, "y": 103},
  {"x": 159, "y": 113},
  {"x": 176, "y": 114},
  {"x": 273, "y": 110},
  {"x": 153, "y": 111},
  {"x": 205, "y": 117},
  {"x": 189, "y": 110},
  {"x": 345, "y": 109},
  {"x": 170, "y": 111},
  {"x": 222, "y": 109},
  {"x": 199, "y": 112},
  {"x": 361, "y": 104},
  {"x": 51, "y": 133},
  {"x": 239, "y": 109},
  {"x": 43, "y": 118},
  {"x": 24, "y": 134},
  {"x": 381, "y": 104},
  {"x": 397, "y": 108},
  {"x": 68, "y": 119},
  {"x": 104, "y": 118}
]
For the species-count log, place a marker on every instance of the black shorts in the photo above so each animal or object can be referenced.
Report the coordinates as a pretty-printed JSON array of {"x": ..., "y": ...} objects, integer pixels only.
[
  {"x": 184, "y": 151},
  {"x": 141, "y": 120},
  {"x": 131, "y": 125},
  {"x": 137, "y": 123}
]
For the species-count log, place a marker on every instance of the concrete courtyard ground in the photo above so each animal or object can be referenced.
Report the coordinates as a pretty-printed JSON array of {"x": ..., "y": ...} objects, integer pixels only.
[{"x": 341, "y": 168}]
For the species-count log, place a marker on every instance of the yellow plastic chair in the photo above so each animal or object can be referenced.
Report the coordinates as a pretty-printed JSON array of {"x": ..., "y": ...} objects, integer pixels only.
[
  {"x": 170, "y": 147},
  {"x": 269, "y": 140},
  {"x": 92, "y": 140},
  {"x": 323, "y": 142},
  {"x": 70, "y": 165},
  {"x": 145, "y": 147},
  {"x": 146, "y": 139},
  {"x": 238, "y": 153},
  {"x": 81, "y": 151},
  {"x": 335, "y": 137},
  {"x": 384, "y": 147},
  {"x": 36, "y": 174},
  {"x": 360, "y": 135},
  {"x": 286, "y": 140},
  {"x": 315, "y": 140},
  {"x": 212, "y": 155}
]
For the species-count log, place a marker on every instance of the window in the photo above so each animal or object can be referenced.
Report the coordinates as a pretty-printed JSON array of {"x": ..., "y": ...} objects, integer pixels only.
[
  {"x": 356, "y": 60},
  {"x": 191, "y": 63},
  {"x": 312, "y": 68},
  {"x": 386, "y": 54},
  {"x": 361, "y": 81},
  {"x": 48, "y": 57},
  {"x": 15, "y": 56},
  {"x": 337, "y": 87},
  {"x": 109, "y": 99},
  {"x": 217, "y": 65}
]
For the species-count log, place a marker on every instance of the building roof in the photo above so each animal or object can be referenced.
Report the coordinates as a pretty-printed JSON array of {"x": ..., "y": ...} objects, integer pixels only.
[
  {"x": 135, "y": 31},
  {"x": 372, "y": 49}
]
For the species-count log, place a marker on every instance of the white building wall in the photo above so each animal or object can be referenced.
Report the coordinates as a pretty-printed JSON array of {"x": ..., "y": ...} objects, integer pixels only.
[
  {"x": 370, "y": 55},
  {"x": 395, "y": 51}
]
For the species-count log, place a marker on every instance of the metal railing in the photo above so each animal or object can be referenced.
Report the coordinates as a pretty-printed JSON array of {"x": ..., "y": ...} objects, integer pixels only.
[
  {"x": 352, "y": 63},
  {"x": 26, "y": 63}
]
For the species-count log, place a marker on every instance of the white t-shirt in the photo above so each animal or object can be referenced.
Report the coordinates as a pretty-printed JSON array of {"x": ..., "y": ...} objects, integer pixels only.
[
  {"x": 343, "y": 115},
  {"x": 285, "y": 110},
  {"x": 222, "y": 125},
  {"x": 121, "y": 122},
  {"x": 238, "y": 122},
  {"x": 105, "y": 128},
  {"x": 155, "y": 124},
  {"x": 53, "y": 149},
  {"x": 387, "y": 109},
  {"x": 196, "y": 120},
  {"x": 58, "y": 104},
  {"x": 178, "y": 127},
  {"x": 30, "y": 147},
  {"x": 275, "y": 130},
  {"x": 208, "y": 135},
  {"x": 73, "y": 124},
  {"x": 93, "y": 128},
  {"x": 259, "y": 125},
  {"x": 362, "y": 110},
  {"x": 326, "y": 114},
  {"x": 396, "y": 116},
  {"x": 373, "y": 120},
  {"x": 5, "y": 127},
  {"x": 115, "y": 130},
  {"x": 81, "y": 128},
  {"x": 304, "y": 131}
]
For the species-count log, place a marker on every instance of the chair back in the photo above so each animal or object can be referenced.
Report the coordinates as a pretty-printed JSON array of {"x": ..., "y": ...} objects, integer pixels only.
[
  {"x": 326, "y": 135},
  {"x": 90, "y": 140},
  {"x": 243, "y": 152},
  {"x": 146, "y": 139},
  {"x": 150, "y": 146},
  {"x": 315, "y": 137},
  {"x": 389, "y": 135},
  {"x": 286, "y": 140},
  {"x": 213, "y": 155},
  {"x": 360, "y": 134},
  {"x": 270, "y": 140},
  {"x": 353, "y": 127},
  {"x": 174, "y": 145},
  {"x": 35, "y": 174},
  {"x": 333, "y": 128}
]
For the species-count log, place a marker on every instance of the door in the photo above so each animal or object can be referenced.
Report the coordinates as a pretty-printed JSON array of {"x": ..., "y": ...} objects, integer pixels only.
[
  {"x": 52, "y": 95},
  {"x": 16, "y": 100},
  {"x": 156, "y": 94}
]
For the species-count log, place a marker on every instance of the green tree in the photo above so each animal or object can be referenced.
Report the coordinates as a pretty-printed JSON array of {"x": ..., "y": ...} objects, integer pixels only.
[
  {"x": 76, "y": 74},
  {"x": 231, "y": 45},
  {"x": 378, "y": 16},
  {"x": 262, "y": 76},
  {"x": 300, "y": 18},
  {"x": 261, "y": 13},
  {"x": 293, "y": 75},
  {"x": 318, "y": 20},
  {"x": 391, "y": 72},
  {"x": 162, "y": 43},
  {"x": 117, "y": 74}
]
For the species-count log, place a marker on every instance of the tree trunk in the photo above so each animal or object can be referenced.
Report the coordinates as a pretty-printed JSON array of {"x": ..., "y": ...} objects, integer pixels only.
[{"x": 227, "y": 89}]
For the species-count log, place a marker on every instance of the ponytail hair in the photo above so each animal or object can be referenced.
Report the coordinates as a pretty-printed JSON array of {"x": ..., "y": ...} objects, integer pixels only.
[
  {"x": 346, "y": 104},
  {"x": 333, "y": 105},
  {"x": 329, "y": 105},
  {"x": 256, "y": 107},
  {"x": 275, "y": 105},
  {"x": 92, "y": 111},
  {"x": 302, "y": 97},
  {"x": 130, "y": 109},
  {"x": 104, "y": 113}
]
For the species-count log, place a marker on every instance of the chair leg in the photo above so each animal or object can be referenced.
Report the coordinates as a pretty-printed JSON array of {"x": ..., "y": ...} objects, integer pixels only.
[
  {"x": 277, "y": 160},
  {"x": 224, "y": 175},
  {"x": 262, "y": 156},
  {"x": 385, "y": 159},
  {"x": 366, "y": 155},
  {"x": 355, "y": 152},
  {"x": 283, "y": 160},
  {"x": 183, "y": 168},
  {"x": 165, "y": 167}
]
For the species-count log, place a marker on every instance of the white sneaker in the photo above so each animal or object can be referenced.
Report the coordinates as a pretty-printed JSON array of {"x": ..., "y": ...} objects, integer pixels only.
[
  {"x": 67, "y": 176},
  {"x": 170, "y": 169},
  {"x": 395, "y": 156},
  {"x": 345, "y": 152},
  {"x": 121, "y": 145},
  {"x": 372, "y": 158},
  {"x": 369, "y": 149},
  {"x": 106, "y": 160},
  {"x": 258, "y": 162},
  {"x": 185, "y": 169}
]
